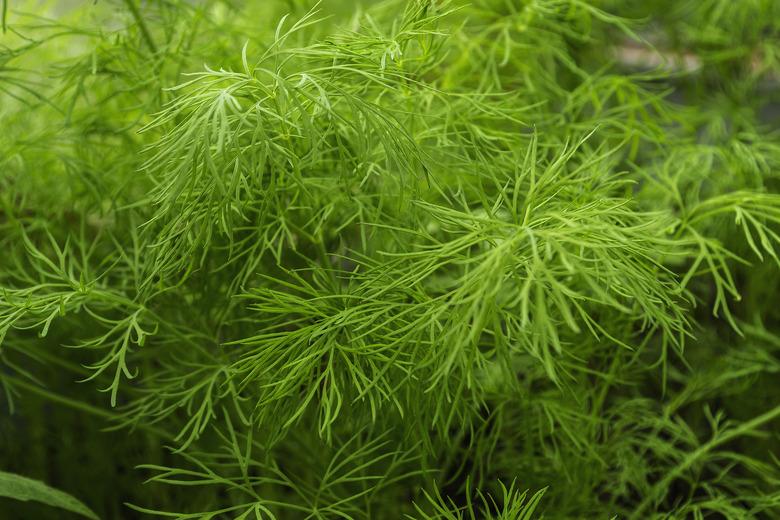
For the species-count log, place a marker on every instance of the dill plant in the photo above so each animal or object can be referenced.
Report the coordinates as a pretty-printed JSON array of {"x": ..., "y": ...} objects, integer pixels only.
[{"x": 402, "y": 259}]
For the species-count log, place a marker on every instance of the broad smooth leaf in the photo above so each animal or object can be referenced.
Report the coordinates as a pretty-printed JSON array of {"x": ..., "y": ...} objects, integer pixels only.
[{"x": 23, "y": 488}]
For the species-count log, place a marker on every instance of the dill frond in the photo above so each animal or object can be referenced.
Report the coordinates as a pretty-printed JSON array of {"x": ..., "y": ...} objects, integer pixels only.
[{"x": 398, "y": 259}]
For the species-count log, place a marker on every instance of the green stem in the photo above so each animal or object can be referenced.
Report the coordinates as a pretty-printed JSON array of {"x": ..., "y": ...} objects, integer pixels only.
[
  {"x": 702, "y": 450},
  {"x": 77, "y": 405},
  {"x": 142, "y": 25},
  {"x": 5, "y": 15}
]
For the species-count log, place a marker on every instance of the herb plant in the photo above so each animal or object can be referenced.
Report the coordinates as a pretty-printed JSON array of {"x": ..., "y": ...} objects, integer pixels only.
[{"x": 417, "y": 259}]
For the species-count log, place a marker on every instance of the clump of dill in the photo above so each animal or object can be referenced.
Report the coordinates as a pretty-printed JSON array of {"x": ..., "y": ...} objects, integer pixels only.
[{"x": 402, "y": 259}]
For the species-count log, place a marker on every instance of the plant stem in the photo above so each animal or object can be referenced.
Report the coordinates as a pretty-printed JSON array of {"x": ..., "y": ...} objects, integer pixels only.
[
  {"x": 142, "y": 25},
  {"x": 5, "y": 15},
  {"x": 77, "y": 405},
  {"x": 702, "y": 450}
]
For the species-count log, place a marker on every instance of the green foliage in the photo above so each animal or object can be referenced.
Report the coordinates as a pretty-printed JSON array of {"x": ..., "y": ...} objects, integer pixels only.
[
  {"x": 399, "y": 259},
  {"x": 513, "y": 506},
  {"x": 23, "y": 488}
]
